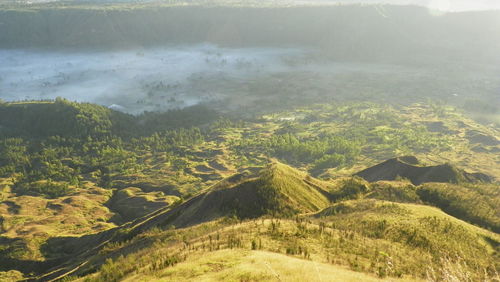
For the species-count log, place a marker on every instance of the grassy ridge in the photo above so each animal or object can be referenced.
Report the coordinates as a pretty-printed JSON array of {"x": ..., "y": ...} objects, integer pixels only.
[
  {"x": 277, "y": 190},
  {"x": 375, "y": 237},
  {"x": 479, "y": 204},
  {"x": 247, "y": 265}
]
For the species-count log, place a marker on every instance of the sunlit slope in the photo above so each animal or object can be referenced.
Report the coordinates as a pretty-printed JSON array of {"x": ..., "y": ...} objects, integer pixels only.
[
  {"x": 247, "y": 265},
  {"x": 375, "y": 238},
  {"x": 347, "y": 222},
  {"x": 277, "y": 190},
  {"x": 475, "y": 203}
]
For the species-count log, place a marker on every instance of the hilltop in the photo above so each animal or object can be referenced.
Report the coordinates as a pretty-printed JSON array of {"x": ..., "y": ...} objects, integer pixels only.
[
  {"x": 276, "y": 190},
  {"x": 408, "y": 167}
]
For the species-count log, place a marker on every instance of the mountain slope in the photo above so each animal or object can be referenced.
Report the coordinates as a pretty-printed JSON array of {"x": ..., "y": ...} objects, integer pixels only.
[
  {"x": 408, "y": 167},
  {"x": 377, "y": 238},
  {"x": 335, "y": 29},
  {"x": 247, "y": 265},
  {"x": 276, "y": 190},
  {"x": 252, "y": 211}
]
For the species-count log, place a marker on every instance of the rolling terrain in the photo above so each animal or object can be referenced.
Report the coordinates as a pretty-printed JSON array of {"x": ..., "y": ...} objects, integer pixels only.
[
  {"x": 248, "y": 141},
  {"x": 349, "y": 223},
  {"x": 91, "y": 210}
]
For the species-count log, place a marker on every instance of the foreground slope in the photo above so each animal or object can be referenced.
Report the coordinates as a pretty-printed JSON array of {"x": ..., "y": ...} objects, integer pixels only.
[
  {"x": 277, "y": 190},
  {"x": 377, "y": 238},
  {"x": 251, "y": 265},
  {"x": 380, "y": 228},
  {"x": 346, "y": 223}
]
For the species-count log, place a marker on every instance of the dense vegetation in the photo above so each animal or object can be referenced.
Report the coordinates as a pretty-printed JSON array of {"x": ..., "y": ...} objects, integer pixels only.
[
  {"x": 51, "y": 147},
  {"x": 479, "y": 204},
  {"x": 323, "y": 152}
]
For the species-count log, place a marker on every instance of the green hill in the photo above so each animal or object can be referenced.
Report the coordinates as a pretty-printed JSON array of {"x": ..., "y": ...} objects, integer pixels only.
[
  {"x": 277, "y": 190},
  {"x": 476, "y": 203},
  {"x": 62, "y": 118},
  {"x": 149, "y": 203}
]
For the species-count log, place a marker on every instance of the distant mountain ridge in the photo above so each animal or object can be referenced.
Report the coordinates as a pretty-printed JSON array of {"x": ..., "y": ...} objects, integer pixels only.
[{"x": 382, "y": 36}]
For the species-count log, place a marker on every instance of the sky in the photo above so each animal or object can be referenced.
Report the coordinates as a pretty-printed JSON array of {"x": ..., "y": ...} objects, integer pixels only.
[
  {"x": 459, "y": 5},
  {"x": 441, "y": 5}
]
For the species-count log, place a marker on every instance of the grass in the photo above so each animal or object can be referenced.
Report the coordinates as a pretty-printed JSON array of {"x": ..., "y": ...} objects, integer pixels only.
[
  {"x": 417, "y": 228},
  {"x": 372, "y": 236},
  {"x": 247, "y": 265},
  {"x": 477, "y": 203},
  {"x": 304, "y": 192},
  {"x": 413, "y": 241},
  {"x": 363, "y": 231},
  {"x": 11, "y": 276}
]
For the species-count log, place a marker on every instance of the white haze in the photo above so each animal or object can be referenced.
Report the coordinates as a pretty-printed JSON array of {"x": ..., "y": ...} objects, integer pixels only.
[
  {"x": 176, "y": 77},
  {"x": 442, "y": 5},
  {"x": 154, "y": 79},
  {"x": 162, "y": 78}
]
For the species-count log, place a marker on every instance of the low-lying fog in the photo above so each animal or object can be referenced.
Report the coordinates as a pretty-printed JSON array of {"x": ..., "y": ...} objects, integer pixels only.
[
  {"x": 157, "y": 79},
  {"x": 175, "y": 77},
  {"x": 132, "y": 80}
]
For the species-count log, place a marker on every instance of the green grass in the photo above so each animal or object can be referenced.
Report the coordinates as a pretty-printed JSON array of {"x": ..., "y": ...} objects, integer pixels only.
[
  {"x": 477, "y": 203},
  {"x": 367, "y": 224},
  {"x": 380, "y": 239},
  {"x": 246, "y": 265}
]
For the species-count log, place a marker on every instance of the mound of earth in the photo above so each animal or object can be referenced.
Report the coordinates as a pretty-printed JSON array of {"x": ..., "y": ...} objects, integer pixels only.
[
  {"x": 439, "y": 126},
  {"x": 132, "y": 203},
  {"x": 277, "y": 189},
  {"x": 408, "y": 167},
  {"x": 476, "y": 137}
]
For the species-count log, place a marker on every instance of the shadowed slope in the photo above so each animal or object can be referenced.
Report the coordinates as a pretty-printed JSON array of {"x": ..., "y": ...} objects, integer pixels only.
[{"x": 408, "y": 167}]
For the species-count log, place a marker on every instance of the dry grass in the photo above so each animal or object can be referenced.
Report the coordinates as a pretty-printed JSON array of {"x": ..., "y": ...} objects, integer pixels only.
[{"x": 246, "y": 265}]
